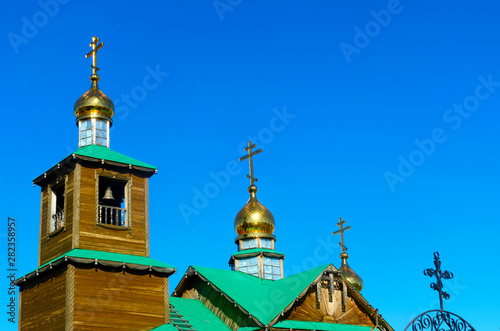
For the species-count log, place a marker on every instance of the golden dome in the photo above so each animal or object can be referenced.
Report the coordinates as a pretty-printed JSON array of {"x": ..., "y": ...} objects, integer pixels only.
[
  {"x": 351, "y": 276},
  {"x": 94, "y": 103},
  {"x": 253, "y": 217}
]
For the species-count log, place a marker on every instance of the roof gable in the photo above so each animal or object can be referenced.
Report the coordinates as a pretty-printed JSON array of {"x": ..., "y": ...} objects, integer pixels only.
[{"x": 267, "y": 298}]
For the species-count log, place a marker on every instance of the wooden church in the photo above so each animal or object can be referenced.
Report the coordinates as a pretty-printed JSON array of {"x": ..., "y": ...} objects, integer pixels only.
[{"x": 94, "y": 271}]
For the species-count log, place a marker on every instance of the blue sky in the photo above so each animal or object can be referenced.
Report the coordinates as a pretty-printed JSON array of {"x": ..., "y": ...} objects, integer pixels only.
[{"x": 384, "y": 113}]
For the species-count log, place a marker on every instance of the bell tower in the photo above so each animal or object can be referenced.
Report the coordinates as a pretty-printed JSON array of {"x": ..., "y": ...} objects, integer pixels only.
[{"x": 94, "y": 269}]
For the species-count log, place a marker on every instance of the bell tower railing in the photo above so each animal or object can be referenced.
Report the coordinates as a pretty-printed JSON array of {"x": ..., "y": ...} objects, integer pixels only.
[{"x": 112, "y": 215}]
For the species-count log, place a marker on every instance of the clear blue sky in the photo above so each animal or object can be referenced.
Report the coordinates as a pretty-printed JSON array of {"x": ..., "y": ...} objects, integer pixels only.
[{"x": 384, "y": 113}]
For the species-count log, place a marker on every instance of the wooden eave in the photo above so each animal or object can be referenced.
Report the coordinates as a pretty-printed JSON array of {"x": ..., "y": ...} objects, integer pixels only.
[{"x": 68, "y": 164}]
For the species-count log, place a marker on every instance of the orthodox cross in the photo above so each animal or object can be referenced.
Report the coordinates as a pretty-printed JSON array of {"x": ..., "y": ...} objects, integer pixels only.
[
  {"x": 438, "y": 286},
  {"x": 95, "y": 47},
  {"x": 249, "y": 157},
  {"x": 341, "y": 231}
]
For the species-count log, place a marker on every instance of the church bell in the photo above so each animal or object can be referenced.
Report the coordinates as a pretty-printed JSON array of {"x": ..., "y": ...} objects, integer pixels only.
[{"x": 108, "y": 195}]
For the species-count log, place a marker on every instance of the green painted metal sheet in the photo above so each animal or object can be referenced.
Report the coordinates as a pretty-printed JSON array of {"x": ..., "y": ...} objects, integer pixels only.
[
  {"x": 264, "y": 299},
  {"x": 198, "y": 315},
  {"x": 104, "y": 153}
]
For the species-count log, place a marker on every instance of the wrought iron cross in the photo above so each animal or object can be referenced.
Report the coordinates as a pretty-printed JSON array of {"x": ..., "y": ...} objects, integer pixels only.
[
  {"x": 249, "y": 157},
  {"x": 95, "y": 47},
  {"x": 341, "y": 231},
  {"x": 438, "y": 286}
]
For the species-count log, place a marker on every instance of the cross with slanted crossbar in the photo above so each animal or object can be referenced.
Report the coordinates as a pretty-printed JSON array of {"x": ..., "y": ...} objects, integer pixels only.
[
  {"x": 249, "y": 157},
  {"x": 93, "y": 53},
  {"x": 341, "y": 231}
]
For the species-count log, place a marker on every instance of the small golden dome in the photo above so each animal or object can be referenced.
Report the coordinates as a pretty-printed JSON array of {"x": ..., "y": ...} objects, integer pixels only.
[
  {"x": 253, "y": 217},
  {"x": 94, "y": 103},
  {"x": 351, "y": 276}
]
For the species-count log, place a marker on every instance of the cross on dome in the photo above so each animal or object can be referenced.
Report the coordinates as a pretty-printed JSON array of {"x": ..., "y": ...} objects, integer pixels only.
[
  {"x": 341, "y": 231},
  {"x": 249, "y": 156},
  {"x": 95, "y": 47}
]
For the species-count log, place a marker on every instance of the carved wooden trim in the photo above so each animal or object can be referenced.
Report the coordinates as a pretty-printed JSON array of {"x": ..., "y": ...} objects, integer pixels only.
[
  {"x": 166, "y": 302},
  {"x": 49, "y": 211},
  {"x": 146, "y": 214},
  {"x": 19, "y": 316},
  {"x": 113, "y": 227},
  {"x": 39, "y": 237},
  {"x": 344, "y": 296},
  {"x": 70, "y": 296},
  {"x": 76, "y": 205},
  {"x": 318, "y": 294},
  {"x": 331, "y": 288}
]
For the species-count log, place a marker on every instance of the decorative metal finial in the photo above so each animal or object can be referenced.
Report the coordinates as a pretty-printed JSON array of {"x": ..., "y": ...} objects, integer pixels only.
[
  {"x": 341, "y": 231},
  {"x": 95, "y": 47},
  {"x": 438, "y": 286},
  {"x": 249, "y": 157}
]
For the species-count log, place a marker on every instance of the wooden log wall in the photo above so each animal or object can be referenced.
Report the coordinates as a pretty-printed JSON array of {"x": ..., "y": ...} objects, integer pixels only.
[
  {"x": 109, "y": 299},
  {"x": 51, "y": 246},
  {"x": 110, "y": 240},
  {"x": 43, "y": 305},
  {"x": 80, "y": 205}
]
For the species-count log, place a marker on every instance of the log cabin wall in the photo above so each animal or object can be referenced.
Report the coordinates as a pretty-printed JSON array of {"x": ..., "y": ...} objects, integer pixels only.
[
  {"x": 43, "y": 305},
  {"x": 110, "y": 299},
  {"x": 131, "y": 240},
  {"x": 55, "y": 243}
]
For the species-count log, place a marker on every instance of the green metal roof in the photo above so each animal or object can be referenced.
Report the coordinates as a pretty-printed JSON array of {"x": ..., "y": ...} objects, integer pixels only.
[
  {"x": 105, "y": 256},
  {"x": 257, "y": 250},
  {"x": 104, "y": 153},
  {"x": 263, "y": 299},
  {"x": 198, "y": 315}
]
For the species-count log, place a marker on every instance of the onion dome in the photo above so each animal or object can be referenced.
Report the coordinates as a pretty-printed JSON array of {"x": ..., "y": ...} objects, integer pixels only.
[
  {"x": 351, "y": 276},
  {"x": 253, "y": 217},
  {"x": 94, "y": 103}
]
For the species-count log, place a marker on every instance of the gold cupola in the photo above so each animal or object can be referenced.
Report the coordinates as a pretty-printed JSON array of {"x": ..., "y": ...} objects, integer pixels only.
[
  {"x": 350, "y": 274},
  {"x": 254, "y": 225},
  {"x": 253, "y": 218},
  {"x": 345, "y": 269},
  {"x": 94, "y": 103},
  {"x": 94, "y": 109}
]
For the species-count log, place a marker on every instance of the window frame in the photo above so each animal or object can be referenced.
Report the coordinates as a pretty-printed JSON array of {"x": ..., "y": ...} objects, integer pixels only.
[
  {"x": 52, "y": 229},
  {"x": 127, "y": 181}
]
